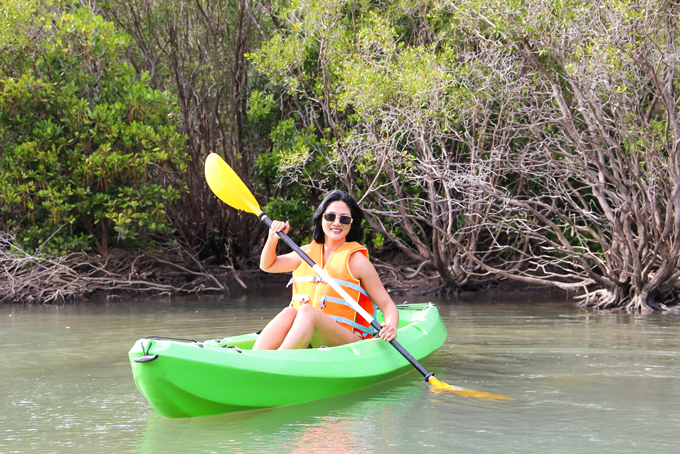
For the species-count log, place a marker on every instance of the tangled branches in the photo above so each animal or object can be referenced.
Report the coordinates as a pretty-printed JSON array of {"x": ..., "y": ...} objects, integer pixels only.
[{"x": 27, "y": 278}]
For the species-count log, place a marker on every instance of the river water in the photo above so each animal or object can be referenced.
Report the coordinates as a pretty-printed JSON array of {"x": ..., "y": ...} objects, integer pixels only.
[{"x": 582, "y": 382}]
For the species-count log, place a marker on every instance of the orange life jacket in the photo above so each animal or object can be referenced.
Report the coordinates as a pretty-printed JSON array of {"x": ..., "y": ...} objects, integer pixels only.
[{"x": 310, "y": 288}]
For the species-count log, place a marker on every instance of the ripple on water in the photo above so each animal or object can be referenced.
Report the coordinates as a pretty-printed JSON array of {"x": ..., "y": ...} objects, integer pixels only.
[{"x": 582, "y": 383}]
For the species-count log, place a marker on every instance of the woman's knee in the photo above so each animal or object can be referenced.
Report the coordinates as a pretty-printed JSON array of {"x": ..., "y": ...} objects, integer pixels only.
[
  {"x": 288, "y": 313},
  {"x": 307, "y": 311}
]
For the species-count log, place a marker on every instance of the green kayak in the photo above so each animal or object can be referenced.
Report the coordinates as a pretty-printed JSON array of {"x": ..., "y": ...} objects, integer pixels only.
[{"x": 183, "y": 378}]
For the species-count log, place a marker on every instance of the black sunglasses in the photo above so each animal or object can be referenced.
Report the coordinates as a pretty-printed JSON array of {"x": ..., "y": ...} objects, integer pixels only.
[{"x": 344, "y": 219}]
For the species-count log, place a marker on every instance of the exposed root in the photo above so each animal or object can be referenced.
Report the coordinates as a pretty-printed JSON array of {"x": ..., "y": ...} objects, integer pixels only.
[
  {"x": 236, "y": 276},
  {"x": 26, "y": 278},
  {"x": 599, "y": 299},
  {"x": 447, "y": 288},
  {"x": 605, "y": 299},
  {"x": 418, "y": 270}
]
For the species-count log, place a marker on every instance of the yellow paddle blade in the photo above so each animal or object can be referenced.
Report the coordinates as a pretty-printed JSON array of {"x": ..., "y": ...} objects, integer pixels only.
[
  {"x": 466, "y": 392},
  {"x": 227, "y": 186}
]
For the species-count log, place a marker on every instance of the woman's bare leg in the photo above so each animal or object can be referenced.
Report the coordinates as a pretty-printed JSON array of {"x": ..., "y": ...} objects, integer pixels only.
[
  {"x": 313, "y": 326},
  {"x": 276, "y": 330}
]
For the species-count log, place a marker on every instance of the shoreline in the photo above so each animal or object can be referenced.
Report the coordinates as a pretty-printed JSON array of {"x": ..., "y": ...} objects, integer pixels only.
[
  {"x": 258, "y": 281},
  {"x": 79, "y": 277}
]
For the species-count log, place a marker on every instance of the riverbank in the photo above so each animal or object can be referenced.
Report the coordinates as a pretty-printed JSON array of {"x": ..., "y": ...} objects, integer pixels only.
[{"x": 77, "y": 277}]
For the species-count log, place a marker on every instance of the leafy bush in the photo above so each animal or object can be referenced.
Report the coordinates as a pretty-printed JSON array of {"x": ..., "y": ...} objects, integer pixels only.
[{"x": 87, "y": 146}]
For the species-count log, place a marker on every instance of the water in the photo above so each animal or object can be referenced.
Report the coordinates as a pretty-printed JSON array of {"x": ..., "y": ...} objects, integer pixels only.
[{"x": 583, "y": 382}]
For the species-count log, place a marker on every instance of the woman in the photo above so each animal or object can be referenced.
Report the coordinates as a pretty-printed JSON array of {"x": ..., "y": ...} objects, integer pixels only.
[{"x": 317, "y": 315}]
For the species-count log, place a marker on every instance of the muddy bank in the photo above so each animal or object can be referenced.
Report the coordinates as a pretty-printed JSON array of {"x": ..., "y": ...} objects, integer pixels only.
[{"x": 77, "y": 277}]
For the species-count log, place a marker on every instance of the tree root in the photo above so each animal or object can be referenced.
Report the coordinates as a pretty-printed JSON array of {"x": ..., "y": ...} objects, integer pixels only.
[
  {"x": 605, "y": 299},
  {"x": 599, "y": 299},
  {"x": 418, "y": 270},
  {"x": 25, "y": 278},
  {"x": 446, "y": 289}
]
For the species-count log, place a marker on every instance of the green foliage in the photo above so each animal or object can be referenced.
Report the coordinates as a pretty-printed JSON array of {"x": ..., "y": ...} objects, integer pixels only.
[
  {"x": 360, "y": 73},
  {"x": 15, "y": 16},
  {"x": 298, "y": 209},
  {"x": 278, "y": 170},
  {"x": 378, "y": 240},
  {"x": 260, "y": 106},
  {"x": 89, "y": 147},
  {"x": 21, "y": 24}
]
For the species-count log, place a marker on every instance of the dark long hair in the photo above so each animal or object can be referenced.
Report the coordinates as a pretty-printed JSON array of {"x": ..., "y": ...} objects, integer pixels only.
[{"x": 356, "y": 233}]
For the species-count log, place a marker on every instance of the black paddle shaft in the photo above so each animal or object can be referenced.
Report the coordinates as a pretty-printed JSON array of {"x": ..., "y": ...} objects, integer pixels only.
[{"x": 374, "y": 323}]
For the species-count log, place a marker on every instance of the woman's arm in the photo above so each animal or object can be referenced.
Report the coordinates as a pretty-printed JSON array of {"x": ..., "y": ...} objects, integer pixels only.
[
  {"x": 273, "y": 263},
  {"x": 364, "y": 270}
]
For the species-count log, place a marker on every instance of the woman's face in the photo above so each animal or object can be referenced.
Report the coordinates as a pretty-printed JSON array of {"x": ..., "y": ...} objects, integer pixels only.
[{"x": 335, "y": 230}]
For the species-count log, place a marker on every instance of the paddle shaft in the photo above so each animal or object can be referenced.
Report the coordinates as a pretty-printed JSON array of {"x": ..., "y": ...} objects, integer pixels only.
[{"x": 368, "y": 317}]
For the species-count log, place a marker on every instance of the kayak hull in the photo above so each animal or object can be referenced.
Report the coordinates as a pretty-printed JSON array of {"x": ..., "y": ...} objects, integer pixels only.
[{"x": 190, "y": 379}]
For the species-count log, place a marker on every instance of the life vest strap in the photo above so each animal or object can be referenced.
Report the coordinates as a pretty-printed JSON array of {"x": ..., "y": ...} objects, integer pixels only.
[
  {"x": 305, "y": 279},
  {"x": 364, "y": 329},
  {"x": 336, "y": 300},
  {"x": 347, "y": 284},
  {"x": 301, "y": 298}
]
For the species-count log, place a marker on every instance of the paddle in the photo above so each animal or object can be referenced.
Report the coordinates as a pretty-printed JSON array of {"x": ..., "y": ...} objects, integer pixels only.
[{"x": 229, "y": 188}]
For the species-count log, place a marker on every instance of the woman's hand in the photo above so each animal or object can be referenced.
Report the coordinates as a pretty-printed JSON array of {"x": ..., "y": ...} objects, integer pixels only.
[
  {"x": 272, "y": 263},
  {"x": 388, "y": 332},
  {"x": 278, "y": 226},
  {"x": 269, "y": 261}
]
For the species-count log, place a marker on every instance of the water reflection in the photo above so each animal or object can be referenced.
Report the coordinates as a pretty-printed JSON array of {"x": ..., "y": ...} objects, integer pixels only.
[{"x": 347, "y": 423}]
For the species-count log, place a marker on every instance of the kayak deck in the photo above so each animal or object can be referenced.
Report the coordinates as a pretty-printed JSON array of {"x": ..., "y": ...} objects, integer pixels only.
[{"x": 188, "y": 378}]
